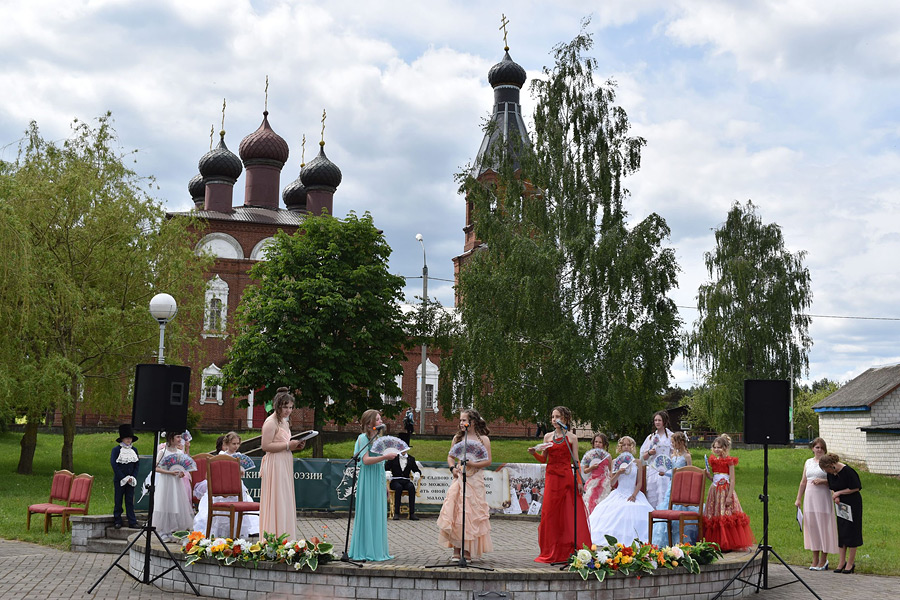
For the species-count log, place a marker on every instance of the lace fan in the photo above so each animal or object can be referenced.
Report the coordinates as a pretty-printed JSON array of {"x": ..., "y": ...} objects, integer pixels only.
[
  {"x": 662, "y": 463},
  {"x": 178, "y": 462},
  {"x": 387, "y": 443},
  {"x": 246, "y": 462},
  {"x": 593, "y": 454},
  {"x": 626, "y": 458},
  {"x": 471, "y": 449}
]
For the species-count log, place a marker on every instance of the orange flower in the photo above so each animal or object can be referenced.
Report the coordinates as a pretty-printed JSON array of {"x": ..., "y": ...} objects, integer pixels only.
[{"x": 314, "y": 540}]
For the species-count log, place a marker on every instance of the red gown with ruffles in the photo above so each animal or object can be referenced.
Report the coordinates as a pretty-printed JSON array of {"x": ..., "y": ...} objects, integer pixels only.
[
  {"x": 560, "y": 499},
  {"x": 728, "y": 527}
]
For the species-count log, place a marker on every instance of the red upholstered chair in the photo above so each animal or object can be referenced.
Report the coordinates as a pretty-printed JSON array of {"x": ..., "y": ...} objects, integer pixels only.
[
  {"x": 688, "y": 487},
  {"x": 79, "y": 501},
  {"x": 59, "y": 496},
  {"x": 223, "y": 479},
  {"x": 198, "y": 476}
]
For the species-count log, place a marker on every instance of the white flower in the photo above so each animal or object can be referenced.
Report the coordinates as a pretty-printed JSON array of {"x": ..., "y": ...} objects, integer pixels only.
[
  {"x": 602, "y": 556},
  {"x": 291, "y": 552},
  {"x": 584, "y": 555},
  {"x": 302, "y": 542},
  {"x": 298, "y": 566},
  {"x": 205, "y": 542},
  {"x": 241, "y": 542},
  {"x": 219, "y": 542},
  {"x": 675, "y": 552}
]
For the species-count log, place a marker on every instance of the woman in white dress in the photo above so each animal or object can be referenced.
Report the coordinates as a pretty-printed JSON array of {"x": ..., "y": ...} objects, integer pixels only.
[
  {"x": 658, "y": 442},
  {"x": 624, "y": 513},
  {"x": 171, "y": 507},
  {"x": 814, "y": 496},
  {"x": 250, "y": 523}
]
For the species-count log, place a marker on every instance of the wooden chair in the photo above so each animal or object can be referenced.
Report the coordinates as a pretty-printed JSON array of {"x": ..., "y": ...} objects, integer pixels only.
[
  {"x": 404, "y": 508},
  {"x": 223, "y": 479},
  {"x": 688, "y": 487},
  {"x": 78, "y": 504},
  {"x": 60, "y": 487},
  {"x": 199, "y": 476}
]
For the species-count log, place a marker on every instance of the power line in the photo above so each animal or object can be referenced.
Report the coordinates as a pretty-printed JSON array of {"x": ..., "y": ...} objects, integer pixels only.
[
  {"x": 429, "y": 277},
  {"x": 828, "y": 316}
]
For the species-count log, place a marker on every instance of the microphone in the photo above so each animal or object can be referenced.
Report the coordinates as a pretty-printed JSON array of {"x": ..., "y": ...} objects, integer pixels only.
[
  {"x": 560, "y": 423},
  {"x": 466, "y": 426},
  {"x": 379, "y": 427}
]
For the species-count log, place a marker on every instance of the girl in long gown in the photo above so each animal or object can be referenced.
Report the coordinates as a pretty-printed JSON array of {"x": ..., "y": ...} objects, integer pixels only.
[
  {"x": 369, "y": 540},
  {"x": 681, "y": 457},
  {"x": 658, "y": 442},
  {"x": 845, "y": 485},
  {"x": 597, "y": 486},
  {"x": 625, "y": 512},
  {"x": 277, "y": 505},
  {"x": 724, "y": 522},
  {"x": 561, "y": 496},
  {"x": 478, "y": 524},
  {"x": 172, "y": 509},
  {"x": 819, "y": 529},
  {"x": 249, "y": 523}
]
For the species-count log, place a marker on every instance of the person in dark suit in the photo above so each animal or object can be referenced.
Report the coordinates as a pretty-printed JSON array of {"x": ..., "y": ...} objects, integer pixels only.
[
  {"x": 124, "y": 462},
  {"x": 404, "y": 472}
]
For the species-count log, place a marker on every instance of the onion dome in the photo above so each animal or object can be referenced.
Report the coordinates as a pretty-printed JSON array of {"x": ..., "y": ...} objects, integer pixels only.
[
  {"x": 220, "y": 163},
  {"x": 294, "y": 195},
  {"x": 507, "y": 72},
  {"x": 197, "y": 189},
  {"x": 264, "y": 146},
  {"x": 320, "y": 173}
]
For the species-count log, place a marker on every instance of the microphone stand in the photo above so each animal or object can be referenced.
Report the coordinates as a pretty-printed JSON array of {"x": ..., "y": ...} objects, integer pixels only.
[
  {"x": 345, "y": 557},
  {"x": 574, "y": 463},
  {"x": 461, "y": 563}
]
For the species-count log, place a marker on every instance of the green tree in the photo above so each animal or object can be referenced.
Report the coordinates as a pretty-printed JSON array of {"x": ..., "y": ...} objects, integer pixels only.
[
  {"x": 753, "y": 322},
  {"x": 565, "y": 303},
  {"x": 85, "y": 249},
  {"x": 324, "y": 320},
  {"x": 806, "y": 421}
]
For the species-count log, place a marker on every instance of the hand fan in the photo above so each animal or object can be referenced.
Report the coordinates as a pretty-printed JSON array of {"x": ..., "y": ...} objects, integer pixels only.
[
  {"x": 626, "y": 458},
  {"x": 385, "y": 444},
  {"x": 592, "y": 455},
  {"x": 542, "y": 446},
  {"x": 662, "y": 463},
  {"x": 178, "y": 462},
  {"x": 246, "y": 462},
  {"x": 471, "y": 449}
]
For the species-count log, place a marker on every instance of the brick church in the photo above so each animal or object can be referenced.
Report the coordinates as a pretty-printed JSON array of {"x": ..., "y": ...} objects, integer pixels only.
[{"x": 237, "y": 235}]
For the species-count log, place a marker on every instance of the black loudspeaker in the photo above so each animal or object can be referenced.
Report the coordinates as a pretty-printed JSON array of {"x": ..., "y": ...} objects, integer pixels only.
[
  {"x": 767, "y": 411},
  {"x": 161, "y": 398}
]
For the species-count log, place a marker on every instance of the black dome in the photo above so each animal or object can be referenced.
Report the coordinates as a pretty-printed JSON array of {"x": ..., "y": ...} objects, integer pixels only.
[
  {"x": 321, "y": 173},
  {"x": 197, "y": 188},
  {"x": 221, "y": 163},
  {"x": 507, "y": 72},
  {"x": 294, "y": 195}
]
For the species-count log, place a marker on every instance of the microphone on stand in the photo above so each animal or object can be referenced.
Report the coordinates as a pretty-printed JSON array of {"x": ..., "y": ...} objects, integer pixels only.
[
  {"x": 560, "y": 423},
  {"x": 379, "y": 427}
]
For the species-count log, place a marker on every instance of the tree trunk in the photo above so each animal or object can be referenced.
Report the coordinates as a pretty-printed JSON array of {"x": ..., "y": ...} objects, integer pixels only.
[
  {"x": 318, "y": 444},
  {"x": 28, "y": 444},
  {"x": 67, "y": 460}
]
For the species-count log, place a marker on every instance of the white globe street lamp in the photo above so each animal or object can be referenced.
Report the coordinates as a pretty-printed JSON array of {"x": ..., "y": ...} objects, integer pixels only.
[{"x": 163, "y": 308}]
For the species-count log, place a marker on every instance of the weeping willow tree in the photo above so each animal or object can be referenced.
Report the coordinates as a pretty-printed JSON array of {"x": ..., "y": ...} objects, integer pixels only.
[
  {"x": 753, "y": 322},
  {"x": 565, "y": 302}
]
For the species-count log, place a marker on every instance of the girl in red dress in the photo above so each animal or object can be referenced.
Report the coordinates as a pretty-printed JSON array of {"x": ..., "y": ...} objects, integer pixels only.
[
  {"x": 561, "y": 497},
  {"x": 724, "y": 522}
]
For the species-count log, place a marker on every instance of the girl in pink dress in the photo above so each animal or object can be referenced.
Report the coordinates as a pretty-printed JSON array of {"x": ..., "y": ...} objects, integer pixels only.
[
  {"x": 597, "y": 486},
  {"x": 277, "y": 506}
]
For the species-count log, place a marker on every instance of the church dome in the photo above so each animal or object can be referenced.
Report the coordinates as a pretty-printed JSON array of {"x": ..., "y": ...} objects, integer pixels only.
[
  {"x": 220, "y": 163},
  {"x": 294, "y": 195},
  {"x": 197, "y": 189},
  {"x": 507, "y": 72},
  {"x": 264, "y": 145},
  {"x": 321, "y": 173}
]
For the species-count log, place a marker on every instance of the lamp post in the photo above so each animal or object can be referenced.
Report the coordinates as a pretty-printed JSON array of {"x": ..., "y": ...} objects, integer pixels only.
[
  {"x": 421, "y": 240},
  {"x": 163, "y": 308}
]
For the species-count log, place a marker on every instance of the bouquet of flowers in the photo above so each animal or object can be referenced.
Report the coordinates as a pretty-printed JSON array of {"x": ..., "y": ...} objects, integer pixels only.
[
  {"x": 471, "y": 449},
  {"x": 299, "y": 553},
  {"x": 637, "y": 558}
]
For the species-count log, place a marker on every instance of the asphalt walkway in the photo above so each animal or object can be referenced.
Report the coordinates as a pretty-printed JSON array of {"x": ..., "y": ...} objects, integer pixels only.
[{"x": 29, "y": 571}]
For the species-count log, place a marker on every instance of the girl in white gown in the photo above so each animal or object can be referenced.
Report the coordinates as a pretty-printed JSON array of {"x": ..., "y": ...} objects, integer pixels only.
[
  {"x": 658, "y": 442},
  {"x": 171, "y": 508},
  {"x": 624, "y": 513},
  {"x": 250, "y": 523}
]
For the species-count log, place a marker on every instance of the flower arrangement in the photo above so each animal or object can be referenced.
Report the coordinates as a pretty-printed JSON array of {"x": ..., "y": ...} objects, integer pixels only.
[
  {"x": 639, "y": 558},
  {"x": 272, "y": 548}
]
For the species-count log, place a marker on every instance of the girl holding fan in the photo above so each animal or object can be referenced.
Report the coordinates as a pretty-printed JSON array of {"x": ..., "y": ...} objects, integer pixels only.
[
  {"x": 624, "y": 514},
  {"x": 172, "y": 509},
  {"x": 473, "y": 433},
  {"x": 559, "y": 450},
  {"x": 370, "y": 541},
  {"x": 724, "y": 522},
  {"x": 657, "y": 443},
  {"x": 597, "y": 486}
]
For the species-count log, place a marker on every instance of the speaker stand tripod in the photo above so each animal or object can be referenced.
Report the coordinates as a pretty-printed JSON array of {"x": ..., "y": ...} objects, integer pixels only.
[
  {"x": 146, "y": 532},
  {"x": 764, "y": 548}
]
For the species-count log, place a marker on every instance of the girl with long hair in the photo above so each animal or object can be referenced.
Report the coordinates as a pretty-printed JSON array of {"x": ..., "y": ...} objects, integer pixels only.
[
  {"x": 370, "y": 539},
  {"x": 277, "y": 505}
]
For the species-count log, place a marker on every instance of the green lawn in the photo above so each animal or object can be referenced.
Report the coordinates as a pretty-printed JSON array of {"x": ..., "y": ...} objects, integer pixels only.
[{"x": 785, "y": 466}]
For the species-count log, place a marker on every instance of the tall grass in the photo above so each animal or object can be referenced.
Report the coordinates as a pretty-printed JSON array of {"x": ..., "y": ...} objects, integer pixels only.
[{"x": 880, "y": 493}]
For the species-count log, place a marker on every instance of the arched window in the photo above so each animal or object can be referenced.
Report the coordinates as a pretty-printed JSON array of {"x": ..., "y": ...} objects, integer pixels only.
[
  {"x": 210, "y": 393},
  {"x": 431, "y": 386},
  {"x": 216, "y": 307}
]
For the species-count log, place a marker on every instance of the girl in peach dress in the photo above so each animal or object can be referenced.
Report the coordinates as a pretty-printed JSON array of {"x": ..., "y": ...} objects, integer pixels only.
[{"x": 277, "y": 506}]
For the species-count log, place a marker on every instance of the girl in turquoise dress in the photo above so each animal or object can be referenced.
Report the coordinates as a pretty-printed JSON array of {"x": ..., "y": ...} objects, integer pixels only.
[
  {"x": 681, "y": 457},
  {"x": 369, "y": 540}
]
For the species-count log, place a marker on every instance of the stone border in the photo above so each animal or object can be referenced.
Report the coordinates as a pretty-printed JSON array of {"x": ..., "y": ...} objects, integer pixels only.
[
  {"x": 87, "y": 528},
  {"x": 335, "y": 580}
]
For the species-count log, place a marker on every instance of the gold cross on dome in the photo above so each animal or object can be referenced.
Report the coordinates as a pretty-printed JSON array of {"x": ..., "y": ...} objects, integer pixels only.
[
  {"x": 223, "y": 117},
  {"x": 212, "y": 132},
  {"x": 503, "y": 23},
  {"x": 322, "y": 141},
  {"x": 266, "y": 105},
  {"x": 303, "y": 151}
]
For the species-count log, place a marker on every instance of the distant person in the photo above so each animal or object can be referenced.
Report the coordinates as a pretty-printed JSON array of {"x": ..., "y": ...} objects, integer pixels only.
[
  {"x": 124, "y": 461},
  {"x": 820, "y": 532},
  {"x": 845, "y": 485},
  {"x": 409, "y": 426}
]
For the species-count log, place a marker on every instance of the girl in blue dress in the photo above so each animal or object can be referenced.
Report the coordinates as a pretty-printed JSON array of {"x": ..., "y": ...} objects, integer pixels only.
[
  {"x": 681, "y": 457},
  {"x": 369, "y": 540}
]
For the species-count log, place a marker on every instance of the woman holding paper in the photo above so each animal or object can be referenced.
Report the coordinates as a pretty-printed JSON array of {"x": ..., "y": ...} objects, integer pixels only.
[
  {"x": 277, "y": 506},
  {"x": 845, "y": 485},
  {"x": 819, "y": 530}
]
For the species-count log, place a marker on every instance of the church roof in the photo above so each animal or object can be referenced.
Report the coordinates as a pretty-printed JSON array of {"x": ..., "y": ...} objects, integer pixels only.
[{"x": 250, "y": 214}]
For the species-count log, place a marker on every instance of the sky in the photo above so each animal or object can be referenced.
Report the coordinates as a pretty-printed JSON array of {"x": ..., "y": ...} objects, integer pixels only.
[{"x": 789, "y": 103}]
